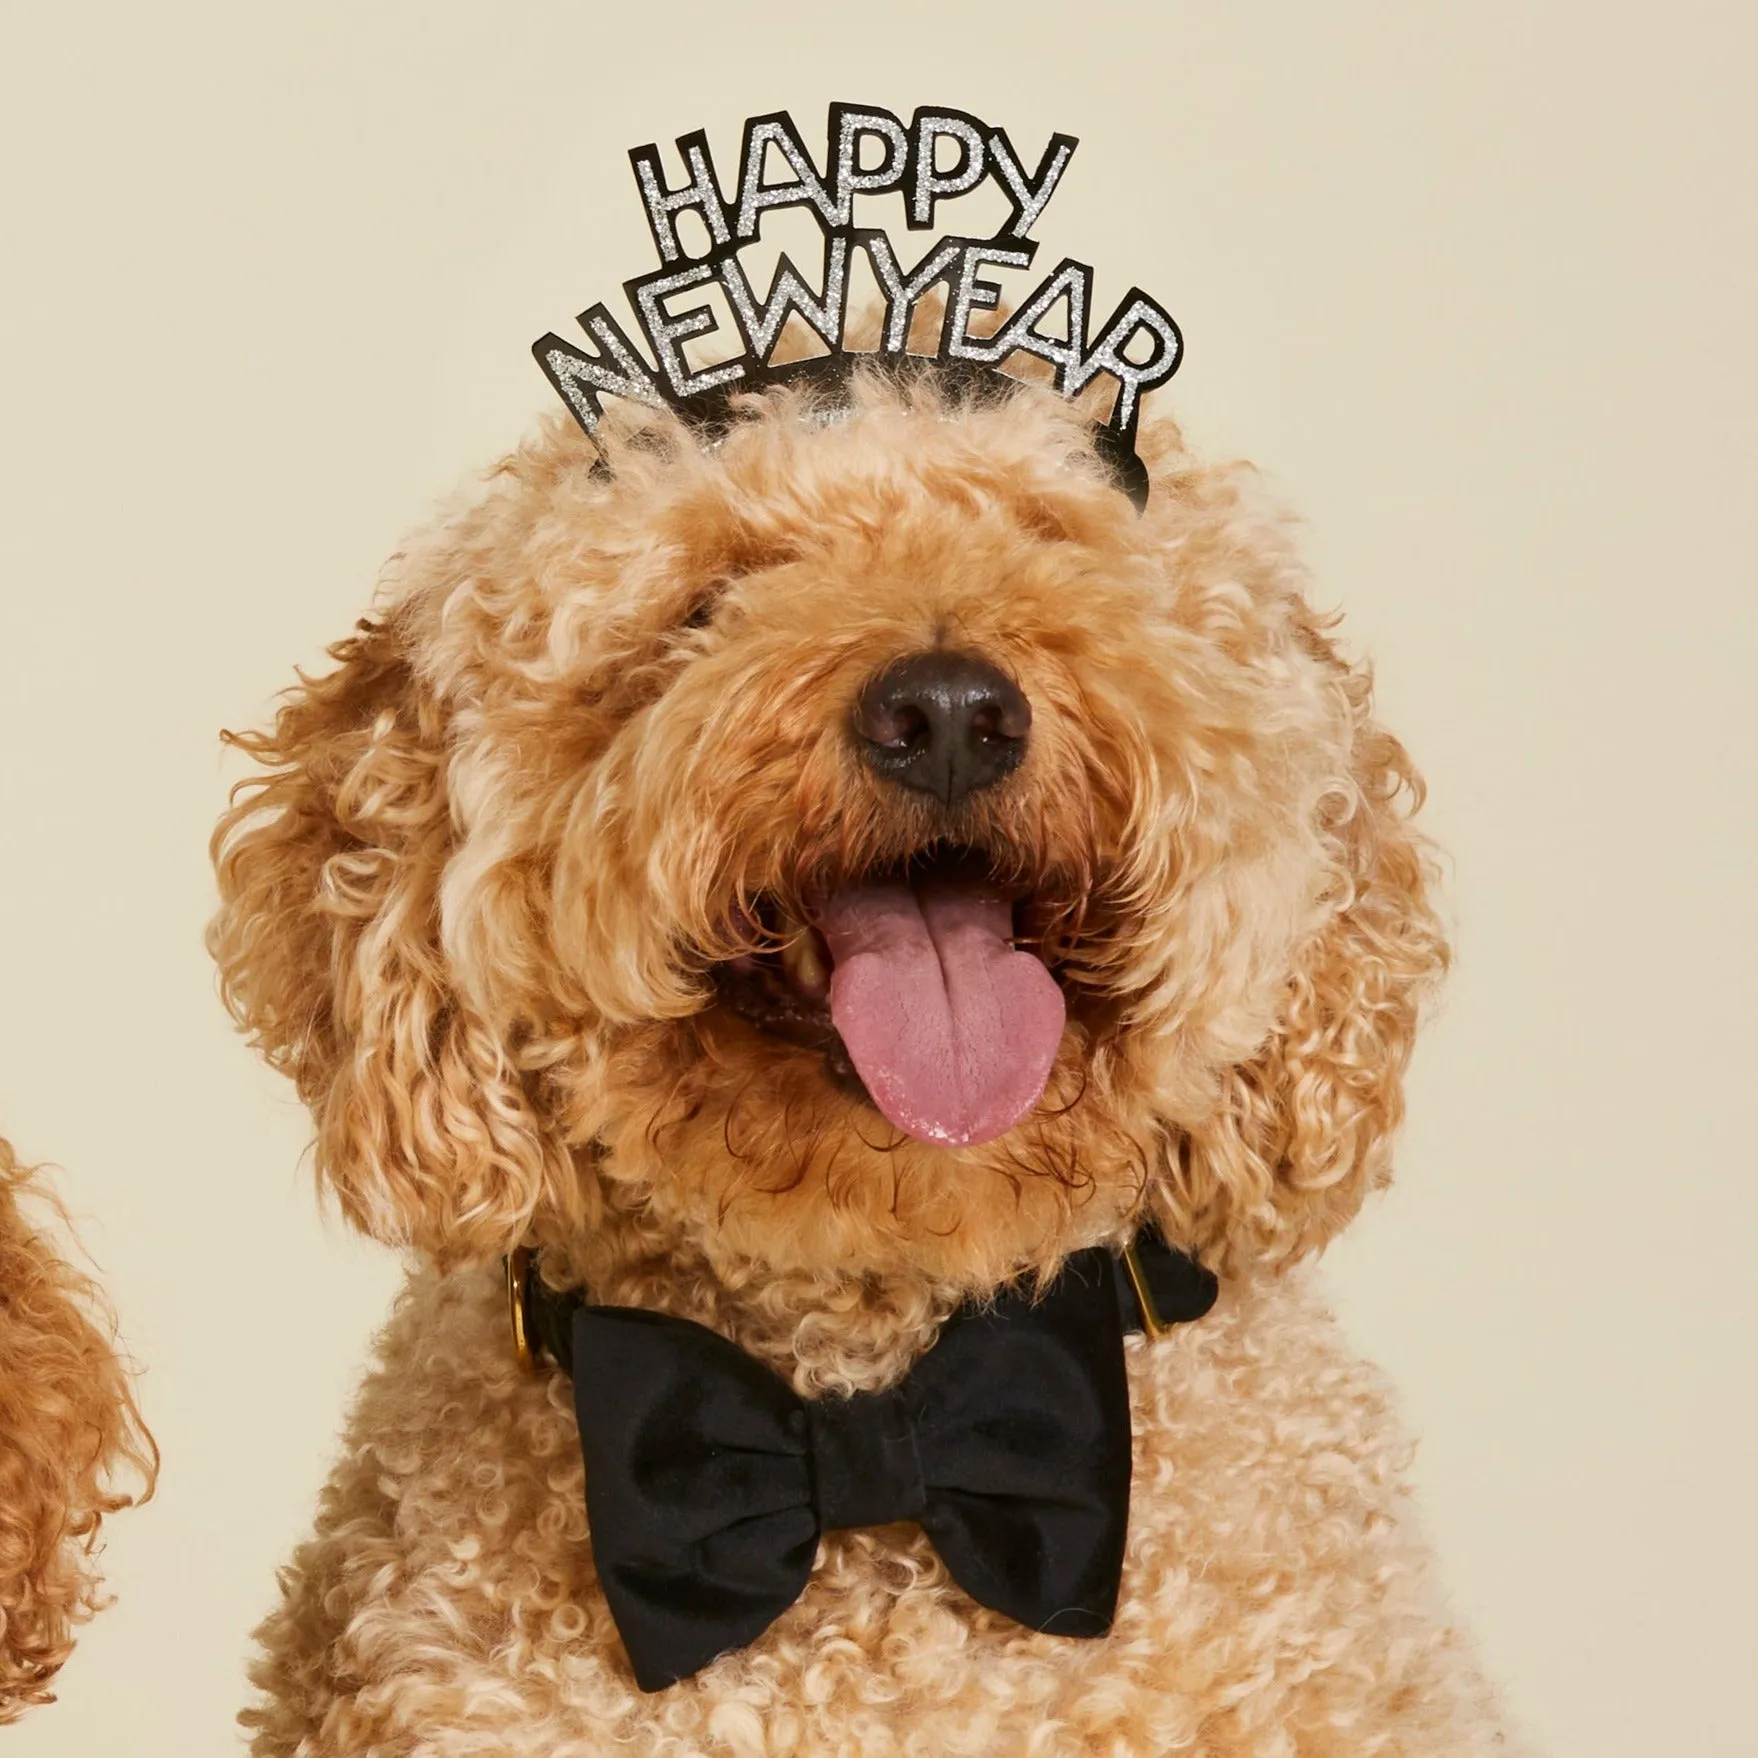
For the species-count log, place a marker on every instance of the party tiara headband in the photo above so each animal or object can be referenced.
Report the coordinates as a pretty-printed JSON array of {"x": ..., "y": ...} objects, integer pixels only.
[{"x": 868, "y": 152}]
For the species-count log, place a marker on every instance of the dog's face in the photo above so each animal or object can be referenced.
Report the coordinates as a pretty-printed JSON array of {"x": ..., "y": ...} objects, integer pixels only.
[{"x": 862, "y": 846}]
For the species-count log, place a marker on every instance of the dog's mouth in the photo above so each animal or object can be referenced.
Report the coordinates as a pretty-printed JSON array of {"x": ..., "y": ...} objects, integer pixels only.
[{"x": 918, "y": 986}]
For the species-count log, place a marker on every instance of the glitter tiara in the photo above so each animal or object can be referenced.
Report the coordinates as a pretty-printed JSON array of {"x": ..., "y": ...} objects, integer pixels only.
[{"x": 868, "y": 152}]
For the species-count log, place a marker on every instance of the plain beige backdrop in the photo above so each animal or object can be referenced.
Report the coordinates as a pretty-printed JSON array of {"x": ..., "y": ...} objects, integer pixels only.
[{"x": 1475, "y": 285}]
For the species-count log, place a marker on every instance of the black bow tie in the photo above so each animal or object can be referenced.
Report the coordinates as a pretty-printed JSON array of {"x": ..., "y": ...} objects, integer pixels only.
[{"x": 708, "y": 1481}]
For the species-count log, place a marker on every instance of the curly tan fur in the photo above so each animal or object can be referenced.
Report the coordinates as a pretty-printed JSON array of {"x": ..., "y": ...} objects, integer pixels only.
[
  {"x": 473, "y": 906},
  {"x": 72, "y": 1446}
]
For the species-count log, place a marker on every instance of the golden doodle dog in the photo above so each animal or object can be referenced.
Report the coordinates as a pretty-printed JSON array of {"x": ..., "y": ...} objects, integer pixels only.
[
  {"x": 73, "y": 1448},
  {"x": 807, "y": 885}
]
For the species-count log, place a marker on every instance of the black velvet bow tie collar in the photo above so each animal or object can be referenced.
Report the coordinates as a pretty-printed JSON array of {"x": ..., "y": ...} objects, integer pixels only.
[{"x": 709, "y": 1481}]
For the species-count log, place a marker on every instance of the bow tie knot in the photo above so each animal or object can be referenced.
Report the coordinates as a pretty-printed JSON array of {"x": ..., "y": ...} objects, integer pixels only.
[{"x": 866, "y": 1470}]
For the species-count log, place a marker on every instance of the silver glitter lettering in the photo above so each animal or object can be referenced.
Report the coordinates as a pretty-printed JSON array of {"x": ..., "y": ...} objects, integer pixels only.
[
  {"x": 1051, "y": 324},
  {"x": 667, "y": 330},
  {"x": 927, "y": 184},
  {"x": 664, "y": 205},
  {"x": 903, "y": 291},
  {"x": 581, "y": 379},
  {"x": 1071, "y": 281},
  {"x": 807, "y": 187},
  {"x": 851, "y": 128},
  {"x": 761, "y": 325},
  {"x": 1029, "y": 195},
  {"x": 1136, "y": 315},
  {"x": 969, "y": 294}
]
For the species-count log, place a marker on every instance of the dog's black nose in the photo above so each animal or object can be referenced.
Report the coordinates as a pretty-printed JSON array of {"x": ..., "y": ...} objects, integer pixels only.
[{"x": 942, "y": 723}]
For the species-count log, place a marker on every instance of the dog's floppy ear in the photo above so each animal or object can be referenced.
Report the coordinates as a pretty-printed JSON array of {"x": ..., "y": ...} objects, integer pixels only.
[
  {"x": 330, "y": 956},
  {"x": 1303, "y": 1131}
]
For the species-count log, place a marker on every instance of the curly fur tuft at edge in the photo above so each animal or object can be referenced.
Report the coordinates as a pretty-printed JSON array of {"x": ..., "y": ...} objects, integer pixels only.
[{"x": 71, "y": 1439}]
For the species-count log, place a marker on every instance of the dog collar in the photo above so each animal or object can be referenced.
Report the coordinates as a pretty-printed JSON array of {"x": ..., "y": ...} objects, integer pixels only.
[{"x": 1156, "y": 1287}]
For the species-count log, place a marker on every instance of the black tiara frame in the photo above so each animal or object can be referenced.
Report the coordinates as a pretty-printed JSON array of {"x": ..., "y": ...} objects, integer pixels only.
[{"x": 910, "y": 164}]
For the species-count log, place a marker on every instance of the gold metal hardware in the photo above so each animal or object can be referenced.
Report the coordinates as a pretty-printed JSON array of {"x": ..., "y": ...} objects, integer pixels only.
[
  {"x": 518, "y": 1272},
  {"x": 1151, "y": 1322}
]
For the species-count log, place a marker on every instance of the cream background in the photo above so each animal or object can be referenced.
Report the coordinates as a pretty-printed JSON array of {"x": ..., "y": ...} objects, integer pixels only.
[{"x": 1475, "y": 285}]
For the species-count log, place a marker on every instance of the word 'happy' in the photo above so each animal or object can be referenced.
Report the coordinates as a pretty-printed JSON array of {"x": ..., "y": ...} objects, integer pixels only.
[{"x": 868, "y": 152}]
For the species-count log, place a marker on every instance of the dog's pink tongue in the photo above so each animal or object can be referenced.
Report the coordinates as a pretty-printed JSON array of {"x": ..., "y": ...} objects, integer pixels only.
[{"x": 953, "y": 1031}]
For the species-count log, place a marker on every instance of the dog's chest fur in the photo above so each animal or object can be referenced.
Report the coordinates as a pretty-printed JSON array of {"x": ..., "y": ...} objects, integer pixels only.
[{"x": 1272, "y": 1600}]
